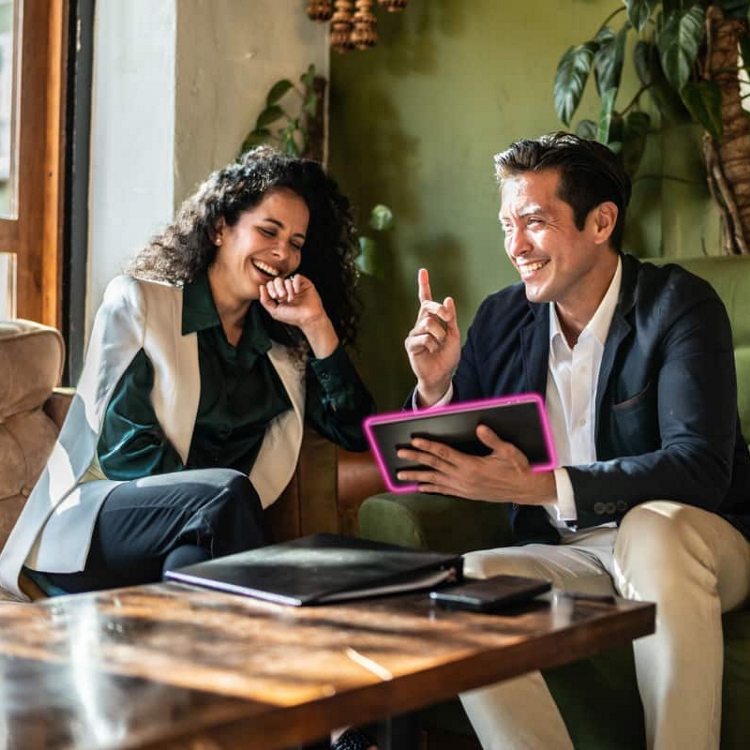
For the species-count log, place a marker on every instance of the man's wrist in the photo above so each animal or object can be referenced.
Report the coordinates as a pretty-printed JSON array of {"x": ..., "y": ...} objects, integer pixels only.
[
  {"x": 426, "y": 397},
  {"x": 544, "y": 488}
]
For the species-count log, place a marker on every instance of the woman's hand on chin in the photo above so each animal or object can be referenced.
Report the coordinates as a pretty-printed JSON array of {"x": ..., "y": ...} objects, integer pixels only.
[{"x": 295, "y": 301}]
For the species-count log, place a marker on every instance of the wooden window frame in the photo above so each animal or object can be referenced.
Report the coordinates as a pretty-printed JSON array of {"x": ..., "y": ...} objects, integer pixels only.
[{"x": 36, "y": 234}]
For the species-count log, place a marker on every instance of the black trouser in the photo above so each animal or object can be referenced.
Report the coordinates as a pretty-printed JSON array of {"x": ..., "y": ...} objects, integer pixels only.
[{"x": 149, "y": 525}]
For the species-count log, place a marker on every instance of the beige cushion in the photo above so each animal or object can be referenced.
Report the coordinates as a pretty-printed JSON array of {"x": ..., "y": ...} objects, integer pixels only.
[{"x": 31, "y": 360}]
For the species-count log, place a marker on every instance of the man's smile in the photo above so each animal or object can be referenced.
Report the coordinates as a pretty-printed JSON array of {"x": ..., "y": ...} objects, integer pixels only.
[{"x": 529, "y": 268}]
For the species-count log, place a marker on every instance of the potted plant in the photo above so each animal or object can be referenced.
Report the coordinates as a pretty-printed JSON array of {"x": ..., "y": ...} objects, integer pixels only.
[
  {"x": 298, "y": 131},
  {"x": 689, "y": 57}
]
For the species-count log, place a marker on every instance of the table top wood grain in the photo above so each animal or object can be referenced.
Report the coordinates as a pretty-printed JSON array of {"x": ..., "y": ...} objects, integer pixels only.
[{"x": 170, "y": 666}]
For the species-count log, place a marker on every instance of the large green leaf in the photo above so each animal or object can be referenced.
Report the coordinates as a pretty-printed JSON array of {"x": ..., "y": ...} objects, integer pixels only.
[
  {"x": 255, "y": 138},
  {"x": 603, "y": 59},
  {"x": 587, "y": 129},
  {"x": 678, "y": 40},
  {"x": 381, "y": 217},
  {"x": 605, "y": 115},
  {"x": 288, "y": 139},
  {"x": 634, "y": 132},
  {"x": 311, "y": 104},
  {"x": 278, "y": 90},
  {"x": 570, "y": 79},
  {"x": 733, "y": 8},
  {"x": 703, "y": 100},
  {"x": 643, "y": 59},
  {"x": 639, "y": 11},
  {"x": 307, "y": 79},
  {"x": 609, "y": 58},
  {"x": 650, "y": 73},
  {"x": 369, "y": 259},
  {"x": 268, "y": 116}
]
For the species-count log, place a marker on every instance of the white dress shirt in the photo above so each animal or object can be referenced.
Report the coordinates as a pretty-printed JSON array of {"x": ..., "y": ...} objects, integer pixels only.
[{"x": 571, "y": 397}]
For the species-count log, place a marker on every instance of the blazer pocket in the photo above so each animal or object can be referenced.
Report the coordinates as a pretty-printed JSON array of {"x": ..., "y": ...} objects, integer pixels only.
[
  {"x": 636, "y": 400},
  {"x": 634, "y": 425}
]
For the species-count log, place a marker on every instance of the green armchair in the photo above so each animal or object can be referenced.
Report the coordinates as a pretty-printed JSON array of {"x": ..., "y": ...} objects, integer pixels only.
[{"x": 598, "y": 697}]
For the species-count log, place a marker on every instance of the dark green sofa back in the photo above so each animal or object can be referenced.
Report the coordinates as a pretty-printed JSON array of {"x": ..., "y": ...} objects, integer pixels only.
[{"x": 730, "y": 277}]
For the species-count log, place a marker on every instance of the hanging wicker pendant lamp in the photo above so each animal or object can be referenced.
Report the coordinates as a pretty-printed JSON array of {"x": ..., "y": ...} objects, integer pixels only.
[
  {"x": 341, "y": 26},
  {"x": 351, "y": 28},
  {"x": 320, "y": 10},
  {"x": 365, "y": 26}
]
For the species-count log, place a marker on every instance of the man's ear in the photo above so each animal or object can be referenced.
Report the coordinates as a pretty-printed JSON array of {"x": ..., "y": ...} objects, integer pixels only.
[{"x": 605, "y": 218}]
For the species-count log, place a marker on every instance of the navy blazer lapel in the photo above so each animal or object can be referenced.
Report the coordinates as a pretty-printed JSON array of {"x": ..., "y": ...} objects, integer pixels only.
[
  {"x": 535, "y": 347},
  {"x": 618, "y": 330}
]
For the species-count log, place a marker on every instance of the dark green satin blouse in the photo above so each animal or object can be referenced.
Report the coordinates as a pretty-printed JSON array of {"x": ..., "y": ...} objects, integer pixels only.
[{"x": 240, "y": 394}]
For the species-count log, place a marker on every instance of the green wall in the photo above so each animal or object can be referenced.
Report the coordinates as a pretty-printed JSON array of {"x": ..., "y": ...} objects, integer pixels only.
[{"x": 414, "y": 123}]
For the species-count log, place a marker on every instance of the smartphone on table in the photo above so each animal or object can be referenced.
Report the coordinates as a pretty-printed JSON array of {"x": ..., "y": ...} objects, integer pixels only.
[{"x": 490, "y": 594}]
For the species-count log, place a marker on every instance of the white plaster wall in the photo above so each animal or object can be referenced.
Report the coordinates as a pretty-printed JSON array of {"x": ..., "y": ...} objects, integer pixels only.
[
  {"x": 177, "y": 86},
  {"x": 131, "y": 190},
  {"x": 229, "y": 54}
]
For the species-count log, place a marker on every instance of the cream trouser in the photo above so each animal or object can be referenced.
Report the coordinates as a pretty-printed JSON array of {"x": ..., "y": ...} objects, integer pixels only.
[{"x": 692, "y": 563}]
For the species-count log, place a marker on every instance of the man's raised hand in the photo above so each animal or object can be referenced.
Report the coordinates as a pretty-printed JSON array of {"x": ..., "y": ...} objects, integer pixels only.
[{"x": 434, "y": 344}]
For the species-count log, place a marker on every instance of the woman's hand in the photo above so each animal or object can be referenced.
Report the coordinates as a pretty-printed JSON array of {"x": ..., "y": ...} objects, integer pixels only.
[{"x": 295, "y": 301}]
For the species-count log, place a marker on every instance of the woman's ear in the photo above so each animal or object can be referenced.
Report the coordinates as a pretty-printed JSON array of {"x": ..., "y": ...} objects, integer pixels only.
[{"x": 217, "y": 235}]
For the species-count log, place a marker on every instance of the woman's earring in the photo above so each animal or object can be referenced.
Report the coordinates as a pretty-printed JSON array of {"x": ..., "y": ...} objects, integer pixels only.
[{"x": 217, "y": 241}]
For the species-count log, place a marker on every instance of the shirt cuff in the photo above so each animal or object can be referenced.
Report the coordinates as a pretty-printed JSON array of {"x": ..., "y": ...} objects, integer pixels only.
[
  {"x": 337, "y": 375},
  {"x": 446, "y": 399},
  {"x": 565, "y": 509},
  {"x": 337, "y": 366}
]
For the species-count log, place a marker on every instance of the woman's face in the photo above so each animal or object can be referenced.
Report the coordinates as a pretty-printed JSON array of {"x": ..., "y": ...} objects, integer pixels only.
[{"x": 265, "y": 243}]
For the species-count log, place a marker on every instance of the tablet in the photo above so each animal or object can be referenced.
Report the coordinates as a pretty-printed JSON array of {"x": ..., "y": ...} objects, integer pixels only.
[{"x": 520, "y": 419}]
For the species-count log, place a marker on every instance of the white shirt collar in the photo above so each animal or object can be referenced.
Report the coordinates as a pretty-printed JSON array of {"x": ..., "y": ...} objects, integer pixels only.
[{"x": 600, "y": 322}]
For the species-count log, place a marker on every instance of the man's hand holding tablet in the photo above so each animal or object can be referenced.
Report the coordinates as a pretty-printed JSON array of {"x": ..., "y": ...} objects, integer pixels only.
[{"x": 465, "y": 449}]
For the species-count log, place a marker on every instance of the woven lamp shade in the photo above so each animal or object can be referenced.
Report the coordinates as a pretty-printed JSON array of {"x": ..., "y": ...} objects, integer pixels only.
[
  {"x": 351, "y": 27},
  {"x": 365, "y": 26},
  {"x": 320, "y": 10},
  {"x": 341, "y": 26}
]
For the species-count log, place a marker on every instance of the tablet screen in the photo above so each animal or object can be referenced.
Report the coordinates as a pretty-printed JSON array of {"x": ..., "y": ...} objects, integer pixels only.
[{"x": 520, "y": 419}]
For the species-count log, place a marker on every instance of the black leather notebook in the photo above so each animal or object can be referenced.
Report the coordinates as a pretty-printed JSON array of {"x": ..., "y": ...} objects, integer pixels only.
[{"x": 321, "y": 569}]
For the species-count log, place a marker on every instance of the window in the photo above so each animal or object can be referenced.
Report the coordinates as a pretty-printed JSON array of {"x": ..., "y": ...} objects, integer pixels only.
[{"x": 32, "y": 65}]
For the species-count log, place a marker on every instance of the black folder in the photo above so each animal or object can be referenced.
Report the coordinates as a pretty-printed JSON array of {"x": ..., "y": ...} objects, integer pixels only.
[{"x": 321, "y": 569}]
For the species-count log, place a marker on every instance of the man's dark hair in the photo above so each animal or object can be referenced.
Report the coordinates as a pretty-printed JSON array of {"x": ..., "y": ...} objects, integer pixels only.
[{"x": 590, "y": 173}]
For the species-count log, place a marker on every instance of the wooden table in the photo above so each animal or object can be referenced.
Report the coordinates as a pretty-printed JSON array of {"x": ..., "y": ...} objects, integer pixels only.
[{"x": 168, "y": 666}]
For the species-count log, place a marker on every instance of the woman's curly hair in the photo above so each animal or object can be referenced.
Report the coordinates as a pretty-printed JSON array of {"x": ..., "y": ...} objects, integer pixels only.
[{"x": 185, "y": 249}]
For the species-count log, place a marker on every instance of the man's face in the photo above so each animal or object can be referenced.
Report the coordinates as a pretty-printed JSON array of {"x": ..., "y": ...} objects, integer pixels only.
[{"x": 557, "y": 261}]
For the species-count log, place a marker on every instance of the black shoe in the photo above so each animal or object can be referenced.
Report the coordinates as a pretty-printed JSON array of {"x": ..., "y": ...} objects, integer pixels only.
[{"x": 352, "y": 739}]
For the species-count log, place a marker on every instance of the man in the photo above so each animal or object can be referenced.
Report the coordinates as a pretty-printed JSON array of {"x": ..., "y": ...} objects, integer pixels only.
[{"x": 653, "y": 498}]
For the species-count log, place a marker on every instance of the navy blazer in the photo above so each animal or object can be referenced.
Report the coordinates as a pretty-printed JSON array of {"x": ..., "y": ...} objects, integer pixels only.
[{"x": 667, "y": 426}]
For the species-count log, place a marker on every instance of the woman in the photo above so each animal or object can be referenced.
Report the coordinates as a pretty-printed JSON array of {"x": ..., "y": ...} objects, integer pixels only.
[{"x": 227, "y": 332}]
